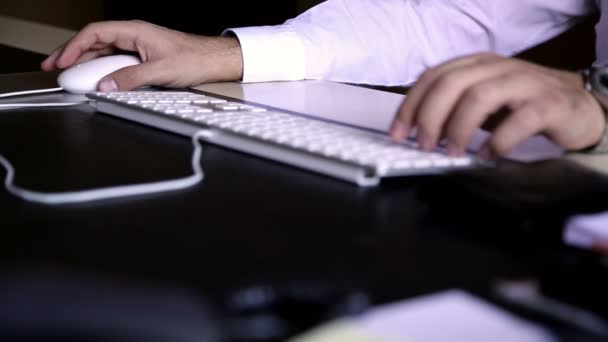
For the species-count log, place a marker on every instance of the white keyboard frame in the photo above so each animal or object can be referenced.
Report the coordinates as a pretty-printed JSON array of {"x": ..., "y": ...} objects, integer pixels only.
[{"x": 360, "y": 175}]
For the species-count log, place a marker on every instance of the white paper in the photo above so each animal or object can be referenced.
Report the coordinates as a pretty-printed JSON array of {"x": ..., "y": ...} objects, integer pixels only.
[
  {"x": 587, "y": 231},
  {"x": 450, "y": 316}
]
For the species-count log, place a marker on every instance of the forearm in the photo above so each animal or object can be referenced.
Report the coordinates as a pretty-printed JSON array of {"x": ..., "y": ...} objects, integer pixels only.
[{"x": 391, "y": 42}]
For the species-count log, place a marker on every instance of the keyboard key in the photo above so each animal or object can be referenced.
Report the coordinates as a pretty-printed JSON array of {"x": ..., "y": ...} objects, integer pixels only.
[
  {"x": 324, "y": 139},
  {"x": 461, "y": 162},
  {"x": 422, "y": 163},
  {"x": 252, "y": 109},
  {"x": 442, "y": 162},
  {"x": 402, "y": 164}
]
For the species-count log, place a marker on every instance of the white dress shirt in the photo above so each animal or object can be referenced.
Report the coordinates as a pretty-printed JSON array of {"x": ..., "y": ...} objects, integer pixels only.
[{"x": 390, "y": 42}]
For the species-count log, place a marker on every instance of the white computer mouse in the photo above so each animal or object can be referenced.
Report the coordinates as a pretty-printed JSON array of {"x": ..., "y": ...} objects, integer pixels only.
[{"x": 84, "y": 77}]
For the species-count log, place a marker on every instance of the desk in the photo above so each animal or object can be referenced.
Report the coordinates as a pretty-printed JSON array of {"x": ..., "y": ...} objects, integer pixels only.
[
  {"x": 15, "y": 60},
  {"x": 255, "y": 222}
]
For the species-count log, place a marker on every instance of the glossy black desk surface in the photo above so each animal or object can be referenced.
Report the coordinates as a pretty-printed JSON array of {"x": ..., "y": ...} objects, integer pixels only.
[{"x": 255, "y": 222}]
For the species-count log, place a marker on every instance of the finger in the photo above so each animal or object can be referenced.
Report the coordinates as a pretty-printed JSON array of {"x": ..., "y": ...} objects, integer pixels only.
[
  {"x": 122, "y": 35},
  {"x": 89, "y": 55},
  {"x": 438, "y": 104},
  {"x": 129, "y": 78},
  {"x": 524, "y": 122},
  {"x": 482, "y": 100},
  {"x": 48, "y": 64},
  {"x": 402, "y": 122}
]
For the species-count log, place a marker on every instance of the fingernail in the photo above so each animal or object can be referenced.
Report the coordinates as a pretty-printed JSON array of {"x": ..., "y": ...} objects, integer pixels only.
[
  {"x": 453, "y": 150},
  {"x": 399, "y": 130},
  {"x": 107, "y": 85}
]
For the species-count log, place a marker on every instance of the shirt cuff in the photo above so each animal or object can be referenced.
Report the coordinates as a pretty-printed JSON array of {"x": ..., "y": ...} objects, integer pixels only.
[{"x": 270, "y": 53}]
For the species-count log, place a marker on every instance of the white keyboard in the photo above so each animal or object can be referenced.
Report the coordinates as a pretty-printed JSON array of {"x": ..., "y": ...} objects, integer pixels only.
[{"x": 351, "y": 154}]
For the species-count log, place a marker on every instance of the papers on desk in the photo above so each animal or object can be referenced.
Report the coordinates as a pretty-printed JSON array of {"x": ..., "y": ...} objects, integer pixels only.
[
  {"x": 445, "y": 317},
  {"x": 588, "y": 231}
]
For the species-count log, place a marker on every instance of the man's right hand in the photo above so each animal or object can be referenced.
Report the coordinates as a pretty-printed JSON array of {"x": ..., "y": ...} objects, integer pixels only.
[{"x": 169, "y": 58}]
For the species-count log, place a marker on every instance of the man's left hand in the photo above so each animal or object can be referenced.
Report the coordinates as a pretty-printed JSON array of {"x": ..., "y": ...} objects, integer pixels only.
[{"x": 454, "y": 99}]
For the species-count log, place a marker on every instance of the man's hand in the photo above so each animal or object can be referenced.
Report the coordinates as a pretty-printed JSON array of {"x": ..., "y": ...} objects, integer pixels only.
[
  {"x": 454, "y": 99},
  {"x": 169, "y": 58}
]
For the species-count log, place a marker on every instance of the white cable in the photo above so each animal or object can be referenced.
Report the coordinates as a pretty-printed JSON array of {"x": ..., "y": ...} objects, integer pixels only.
[
  {"x": 34, "y": 104},
  {"x": 28, "y": 92},
  {"x": 110, "y": 192},
  {"x": 31, "y": 105}
]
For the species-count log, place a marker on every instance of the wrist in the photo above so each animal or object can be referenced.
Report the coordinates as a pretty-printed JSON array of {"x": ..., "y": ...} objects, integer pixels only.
[
  {"x": 222, "y": 59},
  {"x": 234, "y": 59}
]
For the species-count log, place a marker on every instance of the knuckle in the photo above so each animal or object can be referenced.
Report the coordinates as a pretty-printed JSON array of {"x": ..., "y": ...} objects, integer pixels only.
[
  {"x": 520, "y": 68},
  {"x": 474, "y": 96},
  {"x": 93, "y": 26},
  {"x": 513, "y": 69},
  {"x": 447, "y": 82},
  {"x": 139, "y": 22},
  {"x": 531, "y": 118},
  {"x": 428, "y": 75},
  {"x": 488, "y": 56},
  {"x": 552, "y": 96}
]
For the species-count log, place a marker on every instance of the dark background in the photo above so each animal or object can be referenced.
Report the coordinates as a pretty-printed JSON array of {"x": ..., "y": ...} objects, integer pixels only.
[
  {"x": 572, "y": 50},
  {"x": 203, "y": 17}
]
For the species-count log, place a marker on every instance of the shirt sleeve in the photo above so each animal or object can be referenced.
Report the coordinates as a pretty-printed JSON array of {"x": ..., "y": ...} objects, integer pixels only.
[{"x": 391, "y": 42}]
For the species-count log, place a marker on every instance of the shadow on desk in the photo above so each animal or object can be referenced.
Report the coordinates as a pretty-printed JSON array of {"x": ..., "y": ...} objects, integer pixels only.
[
  {"x": 257, "y": 224},
  {"x": 525, "y": 207},
  {"x": 55, "y": 306},
  {"x": 50, "y": 305}
]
